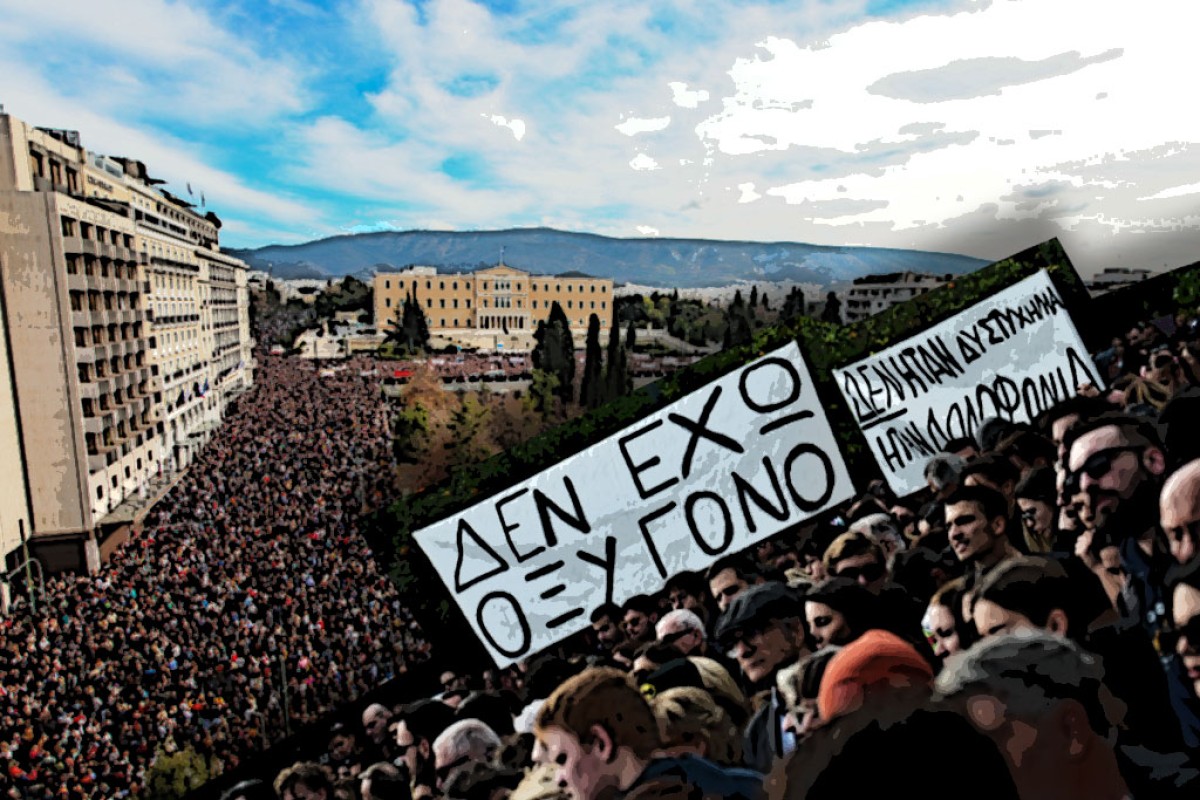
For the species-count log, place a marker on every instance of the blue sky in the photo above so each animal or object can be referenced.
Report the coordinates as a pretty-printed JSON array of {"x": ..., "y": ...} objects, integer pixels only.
[{"x": 967, "y": 126}]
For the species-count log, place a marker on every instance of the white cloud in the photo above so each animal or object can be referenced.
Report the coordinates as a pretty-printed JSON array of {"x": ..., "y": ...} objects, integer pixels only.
[
  {"x": 684, "y": 97},
  {"x": 647, "y": 230},
  {"x": 517, "y": 126},
  {"x": 748, "y": 193},
  {"x": 644, "y": 162},
  {"x": 635, "y": 125}
]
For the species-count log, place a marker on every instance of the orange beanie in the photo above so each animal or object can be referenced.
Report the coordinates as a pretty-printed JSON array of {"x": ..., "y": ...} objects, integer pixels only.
[{"x": 875, "y": 660}]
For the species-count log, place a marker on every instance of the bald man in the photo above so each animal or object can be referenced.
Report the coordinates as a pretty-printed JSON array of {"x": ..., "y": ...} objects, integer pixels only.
[{"x": 1179, "y": 511}]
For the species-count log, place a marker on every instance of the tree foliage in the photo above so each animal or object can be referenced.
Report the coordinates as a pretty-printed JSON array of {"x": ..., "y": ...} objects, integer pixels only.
[
  {"x": 175, "y": 774},
  {"x": 409, "y": 329},
  {"x": 591, "y": 391},
  {"x": 555, "y": 351}
]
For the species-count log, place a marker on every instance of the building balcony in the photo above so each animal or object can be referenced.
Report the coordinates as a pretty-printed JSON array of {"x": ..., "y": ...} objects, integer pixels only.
[
  {"x": 93, "y": 425},
  {"x": 97, "y": 462},
  {"x": 77, "y": 283}
]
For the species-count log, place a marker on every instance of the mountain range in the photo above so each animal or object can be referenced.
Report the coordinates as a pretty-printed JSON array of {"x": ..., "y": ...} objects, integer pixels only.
[{"x": 659, "y": 262}]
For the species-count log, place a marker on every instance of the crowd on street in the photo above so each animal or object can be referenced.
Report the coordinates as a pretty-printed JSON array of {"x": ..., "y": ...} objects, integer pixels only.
[
  {"x": 250, "y": 574},
  {"x": 1028, "y": 626}
]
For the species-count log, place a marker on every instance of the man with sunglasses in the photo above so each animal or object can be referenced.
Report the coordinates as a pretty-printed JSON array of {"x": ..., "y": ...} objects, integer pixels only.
[
  {"x": 684, "y": 631},
  {"x": 1117, "y": 463}
]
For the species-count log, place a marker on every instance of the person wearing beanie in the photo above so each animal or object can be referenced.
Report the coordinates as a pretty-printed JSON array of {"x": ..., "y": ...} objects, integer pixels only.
[{"x": 875, "y": 662}]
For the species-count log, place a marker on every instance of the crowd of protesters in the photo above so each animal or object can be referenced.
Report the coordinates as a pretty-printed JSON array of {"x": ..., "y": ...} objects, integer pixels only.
[
  {"x": 1027, "y": 627},
  {"x": 249, "y": 573}
]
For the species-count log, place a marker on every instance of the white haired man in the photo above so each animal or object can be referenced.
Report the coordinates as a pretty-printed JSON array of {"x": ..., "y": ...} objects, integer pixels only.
[
  {"x": 463, "y": 742},
  {"x": 683, "y": 630}
]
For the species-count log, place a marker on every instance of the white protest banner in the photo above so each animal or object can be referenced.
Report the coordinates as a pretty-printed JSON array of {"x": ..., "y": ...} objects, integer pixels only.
[
  {"x": 730, "y": 464},
  {"x": 1013, "y": 355}
]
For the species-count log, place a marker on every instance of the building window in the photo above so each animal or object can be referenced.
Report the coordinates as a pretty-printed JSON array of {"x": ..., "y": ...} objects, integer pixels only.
[
  {"x": 568, "y": 288},
  {"x": 100, "y": 492},
  {"x": 603, "y": 304},
  {"x": 485, "y": 286},
  {"x": 428, "y": 284},
  {"x": 68, "y": 227},
  {"x": 569, "y": 303},
  {"x": 454, "y": 286},
  {"x": 534, "y": 303},
  {"x": 593, "y": 288},
  {"x": 388, "y": 302},
  {"x": 387, "y": 284},
  {"x": 429, "y": 302},
  {"x": 442, "y": 323},
  {"x": 456, "y": 302},
  {"x": 442, "y": 301},
  {"x": 468, "y": 302}
]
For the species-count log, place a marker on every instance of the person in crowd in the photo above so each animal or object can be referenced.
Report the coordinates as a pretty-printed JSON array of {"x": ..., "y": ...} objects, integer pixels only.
[
  {"x": 607, "y": 621},
  {"x": 483, "y": 781},
  {"x": 463, "y": 742},
  {"x": 418, "y": 728},
  {"x": 876, "y": 663},
  {"x": 1043, "y": 702},
  {"x": 1119, "y": 463},
  {"x": 965, "y": 447},
  {"x": 691, "y": 721},
  {"x": 945, "y": 624},
  {"x": 977, "y": 527},
  {"x": 639, "y": 619},
  {"x": 1184, "y": 637},
  {"x": 763, "y": 629},
  {"x": 881, "y": 527},
  {"x": 649, "y": 657},
  {"x": 812, "y": 561},
  {"x": 1037, "y": 501},
  {"x": 687, "y": 591},
  {"x": 683, "y": 630},
  {"x": 729, "y": 577},
  {"x": 995, "y": 472},
  {"x": 1060, "y": 418},
  {"x": 253, "y": 789},
  {"x": 601, "y": 735},
  {"x": 490, "y": 708},
  {"x": 376, "y": 718},
  {"x": 931, "y": 528},
  {"x": 545, "y": 674},
  {"x": 1039, "y": 593},
  {"x": 857, "y": 555},
  {"x": 800, "y": 685},
  {"x": 887, "y": 749},
  {"x": 304, "y": 780},
  {"x": 838, "y": 610},
  {"x": 1165, "y": 369},
  {"x": 992, "y": 431},
  {"x": 383, "y": 781},
  {"x": 1179, "y": 512},
  {"x": 905, "y": 517},
  {"x": 344, "y": 756},
  {"x": 1028, "y": 450},
  {"x": 943, "y": 474}
]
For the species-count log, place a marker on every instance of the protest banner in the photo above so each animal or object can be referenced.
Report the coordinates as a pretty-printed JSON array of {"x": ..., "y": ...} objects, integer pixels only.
[
  {"x": 735, "y": 462},
  {"x": 1013, "y": 355}
]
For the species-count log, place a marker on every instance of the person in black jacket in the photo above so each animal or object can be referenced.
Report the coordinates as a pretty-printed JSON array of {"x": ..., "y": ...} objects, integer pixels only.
[{"x": 763, "y": 630}]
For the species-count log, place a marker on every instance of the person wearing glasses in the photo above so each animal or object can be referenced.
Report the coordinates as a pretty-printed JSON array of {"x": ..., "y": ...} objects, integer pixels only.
[
  {"x": 1037, "y": 499},
  {"x": 1118, "y": 464},
  {"x": 464, "y": 742},
  {"x": 763, "y": 630}
]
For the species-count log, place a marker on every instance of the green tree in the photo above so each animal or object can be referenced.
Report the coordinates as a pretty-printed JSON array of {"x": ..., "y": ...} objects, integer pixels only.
[
  {"x": 833, "y": 309},
  {"x": 175, "y": 774},
  {"x": 555, "y": 351},
  {"x": 409, "y": 330},
  {"x": 754, "y": 296},
  {"x": 591, "y": 392},
  {"x": 616, "y": 377},
  {"x": 410, "y": 433},
  {"x": 543, "y": 393},
  {"x": 793, "y": 304},
  {"x": 740, "y": 326},
  {"x": 630, "y": 337},
  {"x": 466, "y": 427}
]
